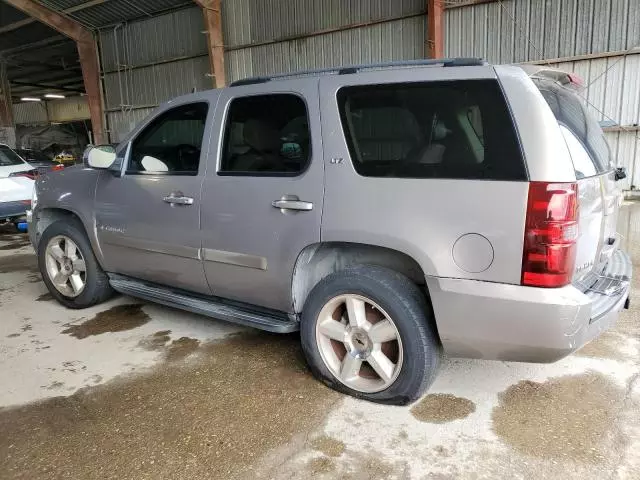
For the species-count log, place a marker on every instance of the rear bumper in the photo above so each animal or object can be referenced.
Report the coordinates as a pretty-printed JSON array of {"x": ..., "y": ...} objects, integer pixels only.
[
  {"x": 510, "y": 322},
  {"x": 10, "y": 210}
]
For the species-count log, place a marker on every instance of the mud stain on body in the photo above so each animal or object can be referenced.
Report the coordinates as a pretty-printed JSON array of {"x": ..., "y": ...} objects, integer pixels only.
[
  {"x": 331, "y": 447},
  {"x": 442, "y": 408},
  {"x": 23, "y": 262},
  {"x": 45, "y": 297},
  {"x": 116, "y": 319},
  {"x": 573, "y": 417},
  {"x": 214, "y": 417}
]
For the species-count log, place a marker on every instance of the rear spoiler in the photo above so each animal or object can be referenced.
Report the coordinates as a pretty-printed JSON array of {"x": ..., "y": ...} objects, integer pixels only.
[{"x": 564, "y": 78}]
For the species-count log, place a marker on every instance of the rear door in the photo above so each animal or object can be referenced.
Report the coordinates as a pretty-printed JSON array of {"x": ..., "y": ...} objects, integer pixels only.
[
  {"x": 262, "y": 205},
  {"x": 599, "y": 195}
]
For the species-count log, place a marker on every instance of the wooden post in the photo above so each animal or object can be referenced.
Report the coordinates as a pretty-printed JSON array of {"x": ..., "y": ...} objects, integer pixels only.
[
  {"x": 211, "y": 10},
  {"x": 435, "y": 29}
]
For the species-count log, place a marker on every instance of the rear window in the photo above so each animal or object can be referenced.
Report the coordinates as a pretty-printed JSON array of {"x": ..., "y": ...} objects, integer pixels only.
[
  {"x": 455, "y": 129},
  {"x": 571, "y": 112},
  {"x": 8, "y": 157}
]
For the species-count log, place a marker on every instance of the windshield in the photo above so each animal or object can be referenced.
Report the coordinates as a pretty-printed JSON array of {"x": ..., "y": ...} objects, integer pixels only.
[
  {"x": 8, "y": 157},
  {"x": 571, "y": 112}
]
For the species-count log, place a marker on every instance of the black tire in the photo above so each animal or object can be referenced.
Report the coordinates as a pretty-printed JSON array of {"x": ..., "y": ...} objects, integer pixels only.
[
  {"x": 406, "y": 304},
  {"x": 97, "y": 288}
]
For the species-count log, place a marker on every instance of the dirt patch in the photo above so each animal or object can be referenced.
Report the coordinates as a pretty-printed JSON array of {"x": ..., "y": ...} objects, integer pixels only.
[
  {"x": 23, "y": 262},
  {"x": 15, "y": 245},
  {"x": 116, "y": 319},
  {"x": 45, "y": 297},
  {"x": 331, "y": 447},
  {"x": 320, "y": 465},
  {"x": 155, "y": 342},
  {"x": 13, "y": 335},
  {"x": 182, "y": 348},
  {"x": 442, "y": 408},
  {"x": 607, "y": 346},
  {"x": 214, "y": 417},
  {"x": 572, "y": 417}
]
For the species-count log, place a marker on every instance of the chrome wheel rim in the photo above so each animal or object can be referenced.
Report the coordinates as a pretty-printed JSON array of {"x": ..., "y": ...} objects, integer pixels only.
[
  {"x": 65, "y": 266},
  {"x": 359, "y": 343}
]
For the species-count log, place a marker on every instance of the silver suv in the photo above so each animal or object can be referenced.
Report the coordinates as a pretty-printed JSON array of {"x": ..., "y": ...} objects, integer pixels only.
[{"x": 391, "y": 213}]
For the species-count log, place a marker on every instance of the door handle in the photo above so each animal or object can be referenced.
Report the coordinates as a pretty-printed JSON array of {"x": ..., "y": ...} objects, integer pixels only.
[
  {"x": 291, "y": 202},
  {"x": 177, "y": 198}
]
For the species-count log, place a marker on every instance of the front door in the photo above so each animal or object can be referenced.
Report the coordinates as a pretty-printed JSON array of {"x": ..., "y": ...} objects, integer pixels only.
[
  {"x": 263, "y": 204},
  {"x": 148, "y": 220}
]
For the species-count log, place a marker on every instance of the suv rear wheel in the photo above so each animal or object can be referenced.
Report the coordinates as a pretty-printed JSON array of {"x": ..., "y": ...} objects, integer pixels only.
[
  {"x": 68, "y": 267},
  {"x": 368, "y": 332}
]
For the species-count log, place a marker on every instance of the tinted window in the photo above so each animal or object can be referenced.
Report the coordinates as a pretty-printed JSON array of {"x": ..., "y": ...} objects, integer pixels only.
[
  {"x": 458, "y": 129},
  {"x": 582, "y": 162},
  {"x": 8, "y": 157},
  {"x": 171, "y": 143},
  {"x": 266, "y": 134},
  {"x": 34, "y": 156},
  {"x": 571, "y": 112}
]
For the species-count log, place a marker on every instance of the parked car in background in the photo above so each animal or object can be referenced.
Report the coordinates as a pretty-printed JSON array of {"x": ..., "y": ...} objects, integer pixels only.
[
  {"x": 15, "y": 198},
  {"x": 65, "y": 158},
  {"x": 11, "y": 163},
  {"x": 38, "y": 160},
  {"x": 390, "y": 213}
]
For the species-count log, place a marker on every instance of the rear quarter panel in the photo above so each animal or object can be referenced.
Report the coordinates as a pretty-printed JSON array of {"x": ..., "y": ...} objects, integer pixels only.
[{"x": 420, "y": 217}]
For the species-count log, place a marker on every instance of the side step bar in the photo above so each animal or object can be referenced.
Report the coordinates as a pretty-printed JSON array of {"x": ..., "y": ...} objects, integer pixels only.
[{"x": 234, "y": 312}]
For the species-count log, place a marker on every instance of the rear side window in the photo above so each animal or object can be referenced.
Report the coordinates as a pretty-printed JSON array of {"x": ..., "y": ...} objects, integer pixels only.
[
  {"x": 571, "y": 112},
  {"x": 8, "y": 157},
  {"x": 266, "y": 135},
  {"x": 455, "y": 129}
]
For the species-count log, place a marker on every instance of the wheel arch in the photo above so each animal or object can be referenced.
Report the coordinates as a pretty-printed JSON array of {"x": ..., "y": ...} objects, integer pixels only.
[
  {"x": 319, "y": 260},
  {"x": 47, "y": 216}
]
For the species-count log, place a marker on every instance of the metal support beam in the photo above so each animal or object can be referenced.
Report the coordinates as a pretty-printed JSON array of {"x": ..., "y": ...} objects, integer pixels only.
[
  {"x": 212, "y": 12},
  {"x": 87, "y": 51},
  {"x": 6, "y": 110},
  {"x": 435, "y": 29}
]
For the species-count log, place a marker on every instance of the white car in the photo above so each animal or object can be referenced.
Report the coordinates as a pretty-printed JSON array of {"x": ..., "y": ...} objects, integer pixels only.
[{"x": 15, "y": 189}]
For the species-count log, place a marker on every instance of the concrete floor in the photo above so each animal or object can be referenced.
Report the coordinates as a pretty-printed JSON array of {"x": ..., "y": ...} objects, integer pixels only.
[{"x": 129, "y": 390}]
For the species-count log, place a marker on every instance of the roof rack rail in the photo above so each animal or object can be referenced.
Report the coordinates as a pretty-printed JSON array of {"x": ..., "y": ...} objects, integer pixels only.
[{"x": 445, "y": 62}]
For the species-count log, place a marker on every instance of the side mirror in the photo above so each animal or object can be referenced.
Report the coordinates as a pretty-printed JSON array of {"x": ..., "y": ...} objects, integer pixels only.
[
  {"x": 621, "y": 173},
  {"x": 100, "y": 156}
]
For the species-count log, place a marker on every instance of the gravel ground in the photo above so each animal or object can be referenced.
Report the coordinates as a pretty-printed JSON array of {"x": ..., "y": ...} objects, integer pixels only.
[{"x": 130, "y": 390}]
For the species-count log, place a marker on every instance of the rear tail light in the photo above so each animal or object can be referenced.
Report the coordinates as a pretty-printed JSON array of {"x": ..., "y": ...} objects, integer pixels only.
[
  {"x": 55, "y": 168},
  {"x": 551, "y": 232},
  {"x": 32, "y": 174}
]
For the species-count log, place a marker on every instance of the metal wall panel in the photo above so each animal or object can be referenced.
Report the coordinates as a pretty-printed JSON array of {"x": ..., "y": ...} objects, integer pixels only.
[
  {"x": 69, "y": 109},
  {"x": 397, "y": 40},
  {"x": 544, "y": 29},
  {"x": 30, "y": 113},
  {"x": 122, "y": 122},
  {"x": 161, "y": 38},
  {"x": 150, "y": 86},
  {"x": 250, "y": 21}
]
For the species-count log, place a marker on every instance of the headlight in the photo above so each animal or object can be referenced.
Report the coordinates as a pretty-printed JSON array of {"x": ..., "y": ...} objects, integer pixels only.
[{"x": 34, "y": 197}]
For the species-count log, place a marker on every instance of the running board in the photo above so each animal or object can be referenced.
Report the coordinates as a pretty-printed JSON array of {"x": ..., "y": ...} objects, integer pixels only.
[{"x": 234, "y": 312}]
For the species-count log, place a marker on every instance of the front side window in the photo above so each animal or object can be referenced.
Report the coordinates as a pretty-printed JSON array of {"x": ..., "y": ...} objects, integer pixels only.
[
  {"x": 454, "y": 129},
  {"x": 266, "y": 135},
  {"x": 171, "y": 143}
]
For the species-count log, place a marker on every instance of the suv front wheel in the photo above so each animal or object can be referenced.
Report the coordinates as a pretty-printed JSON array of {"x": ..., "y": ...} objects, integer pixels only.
[
  {"x": 367, "y": 331},
  {"x": 68, "y": 267}
]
